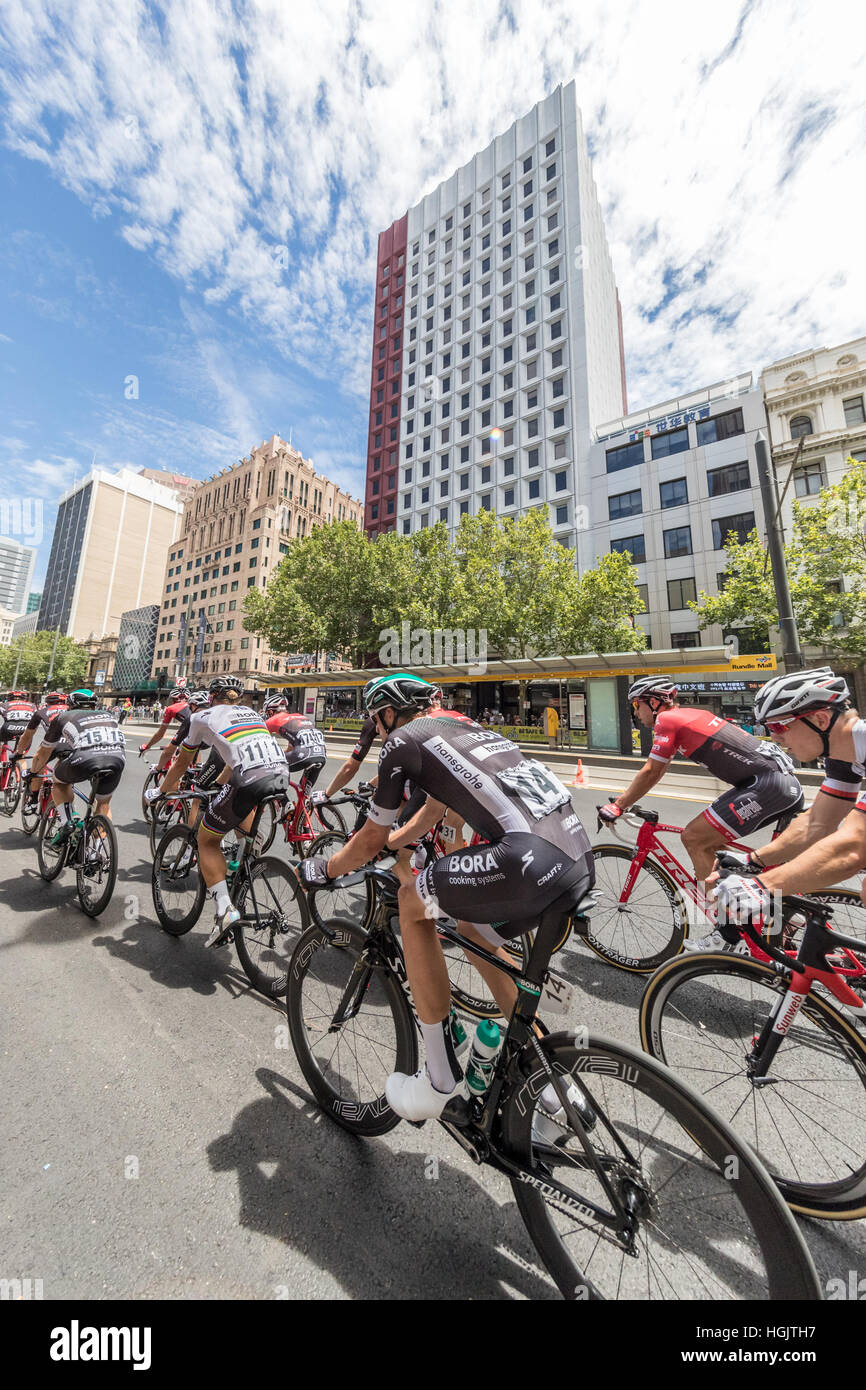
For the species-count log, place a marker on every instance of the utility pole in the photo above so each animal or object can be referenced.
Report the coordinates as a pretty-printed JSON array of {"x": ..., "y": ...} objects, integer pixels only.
[
  {"x": 18, "y": 663},
  {"x": 792, "y": 655},
  {"x": 53, "y": 655}
]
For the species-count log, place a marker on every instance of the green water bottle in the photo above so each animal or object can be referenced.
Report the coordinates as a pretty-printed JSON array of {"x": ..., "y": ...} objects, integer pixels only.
[
  {"x": 458, "y": 1033},
  {"x": 482, "y": 1057}
]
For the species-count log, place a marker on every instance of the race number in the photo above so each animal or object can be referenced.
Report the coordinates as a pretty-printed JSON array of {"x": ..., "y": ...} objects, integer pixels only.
[{"x": 536, "y": 786}]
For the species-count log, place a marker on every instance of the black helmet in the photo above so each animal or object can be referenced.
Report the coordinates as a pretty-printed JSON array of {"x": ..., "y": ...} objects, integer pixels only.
[
  {"x": 402, "y": 691},
  {"x": 82, "y": 699}
]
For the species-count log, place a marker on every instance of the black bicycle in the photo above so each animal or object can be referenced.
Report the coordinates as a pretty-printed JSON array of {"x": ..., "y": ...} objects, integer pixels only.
[
  {"x": 263, "y": 889},
  {"x": 652, "y": 1196},
  {"x": 89, "y": 845}
]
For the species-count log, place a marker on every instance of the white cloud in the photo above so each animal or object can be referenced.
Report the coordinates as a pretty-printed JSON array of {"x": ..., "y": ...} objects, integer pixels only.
[{"x": 728, "y": 155}]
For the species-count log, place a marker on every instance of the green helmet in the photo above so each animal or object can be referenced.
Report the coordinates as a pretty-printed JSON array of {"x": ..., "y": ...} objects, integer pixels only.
[{"x": 401, "y": 691}]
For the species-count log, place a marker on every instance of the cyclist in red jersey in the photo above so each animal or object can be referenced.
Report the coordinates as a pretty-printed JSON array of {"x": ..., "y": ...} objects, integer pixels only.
[
  {"x": 761, "y": 777},
  {"x": 177, "y": 708},
  {"x": 306, "y": 748}
]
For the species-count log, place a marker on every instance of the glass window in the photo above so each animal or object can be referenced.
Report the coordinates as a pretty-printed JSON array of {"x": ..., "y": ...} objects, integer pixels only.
[
  {"x": 854, "y": 414},
  {"x": 720, "y": 427},
  {"x": 800, "y": 425},
  {"x": 534, "y": 487},
  {"x": 674, "y": 493},
  {"x": 508, "y": 497},
  {"x": 681, "y": 592},
  {"x": 635, "y": 545},
  {"x": 741, "y": 524},
  {"x": 624, "y": 504},
  {"x": 561, "y": 481},
  {"x": 678, "y": 541},
  {"x": 562, "y": 515},
  {"x": 809, "y": 478},
  {"x": 673, "y": 442},
  {"x": 685, "y": 639},
  {"x": 733, "y": 478},
  {"x": 625, "y": 456}
]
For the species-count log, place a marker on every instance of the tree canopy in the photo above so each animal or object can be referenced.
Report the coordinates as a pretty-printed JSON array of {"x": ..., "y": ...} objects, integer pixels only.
[{"x": 70, "y": 662}]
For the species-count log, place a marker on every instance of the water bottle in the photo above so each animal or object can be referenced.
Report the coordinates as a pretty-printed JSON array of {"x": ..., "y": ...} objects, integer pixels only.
[
  {"x": 458, "y": 1033},
  {"x": 482, "y": 1057}
]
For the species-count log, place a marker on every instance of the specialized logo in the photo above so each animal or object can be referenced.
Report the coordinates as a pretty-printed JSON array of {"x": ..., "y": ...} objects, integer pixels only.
[{"x": 526, "y": 859}]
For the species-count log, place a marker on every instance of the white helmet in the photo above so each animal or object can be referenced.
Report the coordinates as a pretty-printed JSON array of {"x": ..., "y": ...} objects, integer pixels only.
[
  {"x": 653, "y": 687},
  {"x": 798, "y": 693}
]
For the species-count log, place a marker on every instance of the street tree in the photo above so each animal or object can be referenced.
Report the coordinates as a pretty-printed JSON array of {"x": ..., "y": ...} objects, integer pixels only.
[{"x": 70, "y": 662}]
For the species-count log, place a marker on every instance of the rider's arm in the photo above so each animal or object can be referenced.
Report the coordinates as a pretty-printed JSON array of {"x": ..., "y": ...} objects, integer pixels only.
[
  {"x": 345, "y": 774},
  {"x": 825, "y": 863},
  {"x": 423, "y": 820},
  {"x": 24, "y": 740},
  {"x": 652, "y": 771},
  {"x": 824, "y": 816},
  {"x": 177, "y": 769},
  {"x": 154, "y": 738},
  {"x": 364, "y": 845},
  {"x": 41, "y": 757}
]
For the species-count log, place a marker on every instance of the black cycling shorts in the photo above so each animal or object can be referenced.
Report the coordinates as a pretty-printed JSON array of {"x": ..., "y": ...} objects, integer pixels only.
[
  {"x": 103, "y": 770},
  {"x": 507, "y": 884},
  {"x": 237, "y": 799},
  {"x": 306, "y": 767},
  {"x": 753, "y": 804},
  {"x": 207, "y": 775}
]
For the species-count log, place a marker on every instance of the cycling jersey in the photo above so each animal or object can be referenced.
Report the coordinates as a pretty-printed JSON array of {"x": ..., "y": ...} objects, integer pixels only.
[
  {"x": 89, "y": 746},
  {"x": 365, "y": 741},
  {"x": 174, "y": 711},
  {"x": 43, "y": 716},
  {"x": 725, "y": 750},
  {"x": 15, "y": 715},
  {"x": 183, "y": 717},
  {"x": 236, "y": 733},
  {"x": 841, "y": 778},
  {"x": 537, "y": 847},
  {"x": 306, "y": 742}
]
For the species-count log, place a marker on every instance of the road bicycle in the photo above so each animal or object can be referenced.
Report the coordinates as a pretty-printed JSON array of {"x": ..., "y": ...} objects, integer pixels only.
[
  {"x": 10, "y": 781},
  {"x": 643, "y": 917},
  {"x": 32, "y": 814},
  {"x": 651, "y": 1197},
  {"x": 775, "y": 1039},
  {"x": 89, "y": 847},
  {"x": 263, "y": 889},
  {"x": 303, "y": 822}
]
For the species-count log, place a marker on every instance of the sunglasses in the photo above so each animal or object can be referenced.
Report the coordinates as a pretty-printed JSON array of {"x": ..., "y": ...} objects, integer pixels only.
[{"x": 779, "y": 726}]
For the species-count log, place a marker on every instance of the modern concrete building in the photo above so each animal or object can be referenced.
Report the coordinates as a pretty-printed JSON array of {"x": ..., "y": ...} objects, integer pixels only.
[
  {"x": 34, "y": 602},
  {"x": 235, "y": 531},
  {"x": 27, "y": 623},
  {"x": 668, "y": 484},
  {"x": 16, "y": 572},
  {"x": 136, "y": 643},
  {"x": 7, "y": 626},
  {"x": 108, "y": 552},
  {"x": 497, "y": 339}
]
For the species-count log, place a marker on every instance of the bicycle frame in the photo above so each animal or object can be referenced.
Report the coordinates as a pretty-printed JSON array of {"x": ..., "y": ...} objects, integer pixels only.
[{"x": 297, "y": 824}]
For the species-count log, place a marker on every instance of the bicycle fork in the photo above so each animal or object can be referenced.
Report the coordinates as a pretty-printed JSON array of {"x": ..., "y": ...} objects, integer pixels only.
[{"x": 784, "y": 1013}]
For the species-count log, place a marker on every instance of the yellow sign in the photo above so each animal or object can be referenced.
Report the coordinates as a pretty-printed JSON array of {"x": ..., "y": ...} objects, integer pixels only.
[{"x": 753, "y": 663}]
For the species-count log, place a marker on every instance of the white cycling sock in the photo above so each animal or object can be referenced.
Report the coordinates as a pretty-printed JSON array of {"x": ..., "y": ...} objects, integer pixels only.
[
  {"x": 66, "y": 811},
  {"x": 443, "y": 1067},
  {"x": 220, "y": 894}
]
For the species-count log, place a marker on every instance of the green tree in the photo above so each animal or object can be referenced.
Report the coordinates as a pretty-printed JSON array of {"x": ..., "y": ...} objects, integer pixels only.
[
  {"x": 607, "y": 602},
  {"x": 70, "y": 662}
]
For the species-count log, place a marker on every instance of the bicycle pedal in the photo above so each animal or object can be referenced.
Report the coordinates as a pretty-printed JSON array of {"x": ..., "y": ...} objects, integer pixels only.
[{"x": 456, "y": 1112}]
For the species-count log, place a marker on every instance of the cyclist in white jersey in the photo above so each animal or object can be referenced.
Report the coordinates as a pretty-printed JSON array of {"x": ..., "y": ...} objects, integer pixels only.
[{"x": 254, "y": 768}]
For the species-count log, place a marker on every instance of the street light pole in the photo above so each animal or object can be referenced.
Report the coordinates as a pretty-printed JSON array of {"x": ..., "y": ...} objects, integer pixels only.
[{"x": 792, "y": 655}]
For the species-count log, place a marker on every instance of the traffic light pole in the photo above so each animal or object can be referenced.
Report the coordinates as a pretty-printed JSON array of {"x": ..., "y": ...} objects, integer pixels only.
[{"x": 792, "y": 655}]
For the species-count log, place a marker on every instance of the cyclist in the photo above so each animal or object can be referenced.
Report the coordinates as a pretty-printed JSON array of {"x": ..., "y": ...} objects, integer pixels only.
[
  {"x": 536, "y": 849},
  {"x": 89, "y": 747},
  {"x": 177, "y": 708},
  {"x": 353, "y": 763},
  {"x": 16, "y": 712},
  {"x": 254, "y": 768},
  {"x": 53, "y": 703},
  {"x": 761, "y": 777},
  {"x": 306, "y": 749}
]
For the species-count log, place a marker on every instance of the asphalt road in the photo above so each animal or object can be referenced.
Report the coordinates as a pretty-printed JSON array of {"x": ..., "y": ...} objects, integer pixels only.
[{"x": 159, "y": 1141}]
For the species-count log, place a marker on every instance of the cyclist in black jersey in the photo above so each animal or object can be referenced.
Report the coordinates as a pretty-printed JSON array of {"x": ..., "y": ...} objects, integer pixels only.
[
  {"x": 89, "y": 747},
  {"x": 53, "y": 703},
  {"x": 535, "y": 850}
]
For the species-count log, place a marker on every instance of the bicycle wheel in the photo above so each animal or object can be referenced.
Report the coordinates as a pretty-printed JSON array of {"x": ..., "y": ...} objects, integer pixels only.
[
  {"x": 163, "y": 816},
  {"x": 12, "y": 790},
  {"x": 30, "y": 819},
  {"x": 268, "y": 822},
  {"x": 355, "y": 903},
  {"x": 50, "y": 858},
  {"x": 151, "y": 780},
  {"x": 96, "y": 865},
  {"x": 709, "y": 1221},
  {"x": 273, "y": 912},
  {"x": 807, "y": 1123},
  {"x": 468, "y": 989},
  {"x": 176, "y": 883},
  {"x": 329, "y": 818},
  {"x": 346, "y": 1065},
  {"x": 650, "y": 928}
]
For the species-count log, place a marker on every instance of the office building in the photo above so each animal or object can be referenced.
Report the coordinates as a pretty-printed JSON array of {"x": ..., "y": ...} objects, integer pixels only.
[
  {"x": 16, "y": 572},
  {"x": 136, "y": 643},
  {"x": 497, "y": 339}
]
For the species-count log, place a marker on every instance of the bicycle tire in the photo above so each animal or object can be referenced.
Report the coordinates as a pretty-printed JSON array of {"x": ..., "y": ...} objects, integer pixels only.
[
  {"x": 180, "y": 917},
  {"x": 271, "y": 922},
  {"x": 98, "y": 828},
  {"x": 685, "y": 1151},
  {"x": 665, "y": 931},
  {"x": 307, "y": 1010},
  {"x": 849, "y": 915},
  {"x": 30, "y": 819},
  {"x": 330, "y": 819},
  {"x": 464, "y": 978},
  {"x": 173, "y": 814},
  {"x": 12, "y": 790},
  {"x": 356, "y": 904},
  {"x": 268, "y": 822},
  {"x": 150, "y": 780},
  {"x": 50, "y": 866},
  {"x": 758, "y": 1113}
]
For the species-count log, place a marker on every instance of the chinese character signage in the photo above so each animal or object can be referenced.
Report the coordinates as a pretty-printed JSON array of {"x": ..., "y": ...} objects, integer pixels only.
[{"x": 671, "y": 422}]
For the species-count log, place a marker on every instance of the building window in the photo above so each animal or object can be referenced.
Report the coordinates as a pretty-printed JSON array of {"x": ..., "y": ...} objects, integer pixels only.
[
  {"x": 741, "y": 524},
  {"x": 674, "y": 493},
  {"x": 673, "y": 442},
  {"x": 678, "y": 541},
  {"x": 720, "y": 427},
  {"x": 508, "y": 497},
  {"x": 643, "y": 594},
  {"x": 809, "y": 478},
  {"x": 680, "y": 592},
  {"x": 733, "y": 478},
  {"x": 534, "y": 488},
  {"x": 685, "y": 639},
  {"x": 800, "y": 425},
  {"x": 560, "y": 449},
  {"x": 562, "y": 515},
  {"x": 558, "y": 419},
  {"x": 624, "y": 456},
  {"x": 854, "y": 414},
  {"x": 532, "y": 458},
  {"x": 624, "y": 504},
  {"x": 635, "y": 545},
  {"x": 485, "y": 473}
]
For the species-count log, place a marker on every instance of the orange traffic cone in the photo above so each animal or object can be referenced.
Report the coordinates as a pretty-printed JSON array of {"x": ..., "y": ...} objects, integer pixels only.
[{"x": 579, "y": 778}]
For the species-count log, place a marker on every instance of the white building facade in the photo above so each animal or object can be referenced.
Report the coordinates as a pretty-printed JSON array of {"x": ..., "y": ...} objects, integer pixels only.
[
  {"x": 16, "y": 574},
  {"x": 668, "y": 484},
  {"x": 497, "y": 336}
]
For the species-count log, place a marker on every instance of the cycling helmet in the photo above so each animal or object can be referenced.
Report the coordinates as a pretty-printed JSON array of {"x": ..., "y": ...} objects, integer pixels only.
[
  {"x": 274, "y": 704},
  {"x": 401, "y": 691},
  {"x": 177, "y": 694},
  {"x": 82, "y": 699},
  {"x": 221, "y": 683},
  {"x": 798, "y": 693},
  {"x": 17, "y": 694},
  {"x": 197, "y": 699},
  {"x": 653, "y": 687},
  {"x": 54, "y": 697}
]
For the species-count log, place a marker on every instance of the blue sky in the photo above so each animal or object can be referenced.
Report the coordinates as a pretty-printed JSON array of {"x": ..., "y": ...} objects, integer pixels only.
[{"x": 190, "y": 194}]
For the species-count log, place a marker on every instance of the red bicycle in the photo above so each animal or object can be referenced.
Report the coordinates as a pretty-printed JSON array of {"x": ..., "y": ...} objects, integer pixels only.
[
  {"x": 10, "y": 782},
  {"x": 647, "y": 898},
  {"x": 32, "y": 813}
]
